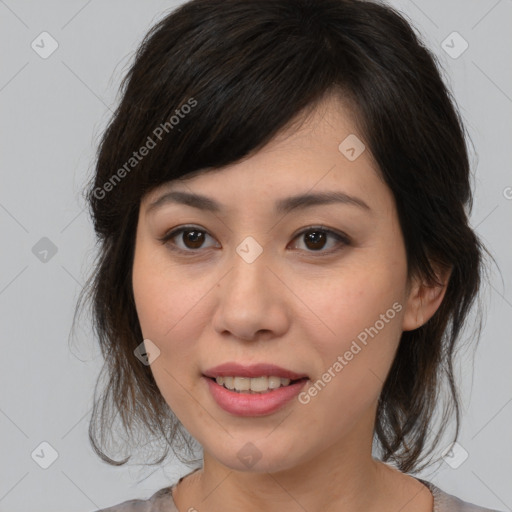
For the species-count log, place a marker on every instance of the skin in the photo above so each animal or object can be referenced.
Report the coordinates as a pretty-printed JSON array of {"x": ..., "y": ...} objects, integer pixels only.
[{"x": 296, "y": 306}]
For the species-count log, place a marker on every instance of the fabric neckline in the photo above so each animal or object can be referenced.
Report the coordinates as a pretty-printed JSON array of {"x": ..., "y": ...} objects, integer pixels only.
[{"x": 435, "y": 491}]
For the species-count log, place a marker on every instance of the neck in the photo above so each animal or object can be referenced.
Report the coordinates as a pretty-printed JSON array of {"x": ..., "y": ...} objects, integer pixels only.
[
  {"x": 343, "y": 476},
  {"x": 335, "y": 480}
]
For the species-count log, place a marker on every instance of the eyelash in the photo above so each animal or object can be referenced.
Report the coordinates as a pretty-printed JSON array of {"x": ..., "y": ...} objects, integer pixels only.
[{"x": 341, "y": 237}]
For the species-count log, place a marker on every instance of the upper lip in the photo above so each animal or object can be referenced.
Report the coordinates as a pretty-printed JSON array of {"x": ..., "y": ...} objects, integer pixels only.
[{"x": 232, "y": 369}]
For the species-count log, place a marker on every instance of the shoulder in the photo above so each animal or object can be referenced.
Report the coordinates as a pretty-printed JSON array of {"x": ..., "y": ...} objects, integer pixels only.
[
  {"x": 160, "y": 501},
  {"x": 444, "y": 502}
]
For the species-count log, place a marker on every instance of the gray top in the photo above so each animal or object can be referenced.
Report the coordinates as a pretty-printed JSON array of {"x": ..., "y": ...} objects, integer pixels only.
[{"x": 162, "y": 501}]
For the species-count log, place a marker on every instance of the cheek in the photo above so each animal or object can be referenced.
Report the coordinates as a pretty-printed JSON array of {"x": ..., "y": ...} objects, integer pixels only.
[
  {"x": 164, "y": 299},
  {"x": 355, "y": 300},
  {"x": 357, "y": 337},
  {"x": 168, "y": 317},
  {"x": 159, "y": 312}
]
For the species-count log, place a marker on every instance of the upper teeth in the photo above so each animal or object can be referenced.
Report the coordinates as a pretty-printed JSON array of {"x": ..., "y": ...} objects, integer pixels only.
[{"x": 257, "y": 384}]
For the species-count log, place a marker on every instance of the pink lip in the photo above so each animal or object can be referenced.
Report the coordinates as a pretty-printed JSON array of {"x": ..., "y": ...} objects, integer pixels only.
[
  {"x": 246, "y": 404},
  {"x": 255, "y": 370}
]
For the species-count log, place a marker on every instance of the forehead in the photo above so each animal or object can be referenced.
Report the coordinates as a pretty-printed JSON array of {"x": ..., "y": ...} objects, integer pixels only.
[{"x": 321, "y": 152}]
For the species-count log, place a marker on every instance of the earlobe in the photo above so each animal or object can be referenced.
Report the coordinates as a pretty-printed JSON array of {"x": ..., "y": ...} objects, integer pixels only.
[{"x": 423, "y": 301}]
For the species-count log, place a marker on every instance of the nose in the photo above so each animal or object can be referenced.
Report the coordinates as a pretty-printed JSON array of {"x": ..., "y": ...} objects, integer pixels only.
[{"x": 251, "y": 301}]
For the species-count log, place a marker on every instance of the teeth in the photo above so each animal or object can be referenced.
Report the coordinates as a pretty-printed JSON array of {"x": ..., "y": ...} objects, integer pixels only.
[{"x": 252, "y": 385}]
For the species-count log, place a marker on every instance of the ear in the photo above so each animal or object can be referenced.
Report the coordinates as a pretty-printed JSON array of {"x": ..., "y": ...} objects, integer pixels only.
[{"x": 424, "y": 299}]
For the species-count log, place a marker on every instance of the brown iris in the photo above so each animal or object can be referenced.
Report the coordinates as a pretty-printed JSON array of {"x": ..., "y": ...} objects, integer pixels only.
[
  {"x": 317, "y": 238},
  {"x": 195, "y": 237}
]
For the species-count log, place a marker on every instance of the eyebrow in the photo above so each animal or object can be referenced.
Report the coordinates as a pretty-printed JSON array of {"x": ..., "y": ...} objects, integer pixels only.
[{"x": 282, "y": 206}]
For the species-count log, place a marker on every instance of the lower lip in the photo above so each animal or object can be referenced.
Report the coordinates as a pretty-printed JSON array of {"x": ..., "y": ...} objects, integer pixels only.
[{"x": 256, "y": 404}]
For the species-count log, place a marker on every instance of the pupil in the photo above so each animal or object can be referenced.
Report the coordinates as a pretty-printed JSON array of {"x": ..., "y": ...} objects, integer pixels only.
[
  {"x": 195, "y": 237},
  {"x": 317, "y": 238}
]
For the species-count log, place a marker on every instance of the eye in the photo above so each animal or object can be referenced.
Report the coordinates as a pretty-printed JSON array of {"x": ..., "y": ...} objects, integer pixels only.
[
  {"x": 191, "y": 237},
  {"x": 315, "y": 239}
]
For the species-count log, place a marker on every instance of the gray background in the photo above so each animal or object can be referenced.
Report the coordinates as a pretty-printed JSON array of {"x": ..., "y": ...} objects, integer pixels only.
[{"x": 52, "y": 112}]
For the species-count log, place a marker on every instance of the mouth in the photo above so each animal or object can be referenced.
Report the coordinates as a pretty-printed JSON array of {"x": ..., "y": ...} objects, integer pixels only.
[
  {"x": 246, "y": 402},
  {"x": 253, "y": 389},
  {"x": 254, "y": 385}
]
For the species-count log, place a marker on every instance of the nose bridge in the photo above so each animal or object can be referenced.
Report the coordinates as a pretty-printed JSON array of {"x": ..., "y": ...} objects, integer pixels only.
[
  {"x": 249, "y": 275},
  {"x": 248, "y": 301}
]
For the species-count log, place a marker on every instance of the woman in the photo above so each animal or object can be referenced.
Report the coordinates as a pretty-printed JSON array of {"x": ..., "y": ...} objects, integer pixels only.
[{"x": 286, "y": 262}]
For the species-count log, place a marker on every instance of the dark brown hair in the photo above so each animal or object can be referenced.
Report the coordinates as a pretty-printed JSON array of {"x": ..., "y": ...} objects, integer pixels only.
[{"x": 247, "y": 69}]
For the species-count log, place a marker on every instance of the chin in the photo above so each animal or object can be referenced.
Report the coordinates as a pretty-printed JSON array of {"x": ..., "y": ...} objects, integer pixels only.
[{"x": 258, "y": 457}]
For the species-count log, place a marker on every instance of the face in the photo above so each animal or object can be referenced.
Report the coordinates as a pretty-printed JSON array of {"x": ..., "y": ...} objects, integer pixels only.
[{"x": 318, "y": 289}]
